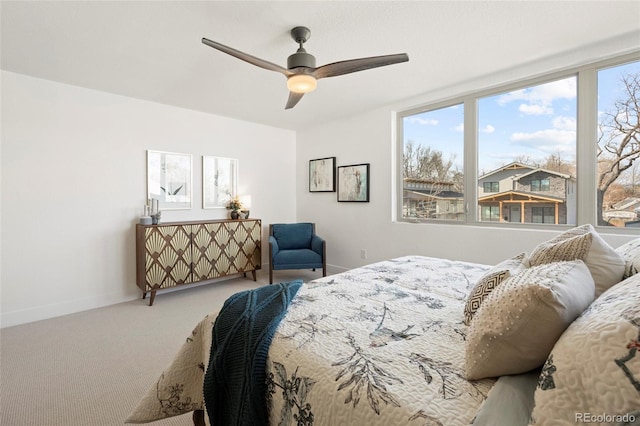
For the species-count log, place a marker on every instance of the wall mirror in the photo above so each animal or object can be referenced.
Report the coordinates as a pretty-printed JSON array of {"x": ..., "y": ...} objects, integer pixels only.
[
  {"x": 219, "y": 181},
  {"x": 169, "y": 179}
]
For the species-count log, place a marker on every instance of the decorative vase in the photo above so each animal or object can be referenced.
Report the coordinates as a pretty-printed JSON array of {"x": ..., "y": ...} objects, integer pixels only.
[{"x": 235, "y": 214}]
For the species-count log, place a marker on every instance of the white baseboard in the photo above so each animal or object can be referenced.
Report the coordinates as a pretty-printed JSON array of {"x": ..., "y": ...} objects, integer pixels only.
[{"x": 38, "y": 313}]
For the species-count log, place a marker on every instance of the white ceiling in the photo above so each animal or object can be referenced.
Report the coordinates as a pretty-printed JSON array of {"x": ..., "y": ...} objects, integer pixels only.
[{"x": 152, "y": 50}]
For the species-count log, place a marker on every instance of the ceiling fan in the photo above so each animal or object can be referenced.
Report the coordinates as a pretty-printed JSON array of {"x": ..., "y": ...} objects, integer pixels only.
[{"x": 301, "y": 71}]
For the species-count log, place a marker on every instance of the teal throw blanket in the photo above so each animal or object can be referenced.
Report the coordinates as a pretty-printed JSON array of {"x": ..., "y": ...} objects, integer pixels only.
[{"x": 234, "y": 383}]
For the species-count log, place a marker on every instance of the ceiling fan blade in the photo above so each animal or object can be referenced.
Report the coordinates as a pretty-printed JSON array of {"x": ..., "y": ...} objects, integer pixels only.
[
  {"x": 294, "y": 98},
  {"x": 353, "y": 65},
  {"x": 246, "y": 57}
]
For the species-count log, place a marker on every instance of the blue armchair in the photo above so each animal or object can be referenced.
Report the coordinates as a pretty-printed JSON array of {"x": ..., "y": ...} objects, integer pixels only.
[{"x": 296, "y": 246}]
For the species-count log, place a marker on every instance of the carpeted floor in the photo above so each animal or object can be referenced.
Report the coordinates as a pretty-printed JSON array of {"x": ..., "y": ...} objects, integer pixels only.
[{"x": 91, "y": 368}]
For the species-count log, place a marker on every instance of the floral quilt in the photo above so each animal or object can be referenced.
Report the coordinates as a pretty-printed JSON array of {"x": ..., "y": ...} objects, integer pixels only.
[{"x": 378, "y": 345}]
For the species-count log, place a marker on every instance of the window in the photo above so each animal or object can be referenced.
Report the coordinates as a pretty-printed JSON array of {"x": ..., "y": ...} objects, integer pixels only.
[
  {"x": 525, "y": 140},
  {"x": 539, "y": 185},
  {"x": 524, "y": 133},
  {"x": 432, "y": 164},
  {"x": 618, "y": 158},
  {"x": 490, "y": 213},
  {"x": 542, "y": 215},
  {"x": 491, "y": 186}
]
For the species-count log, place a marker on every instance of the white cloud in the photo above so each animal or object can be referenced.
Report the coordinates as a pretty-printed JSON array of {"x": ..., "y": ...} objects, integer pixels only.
[
  {"x": 422, "y": 121},
  {"x": 564, "y": 123},
  {"x": 557, "y": 137},
  {"x": 459, "y": 128},
  {"x": 530, "y": 109},
  {"x": 488, "y": 129},
  {"x": 539, "y": 99}
]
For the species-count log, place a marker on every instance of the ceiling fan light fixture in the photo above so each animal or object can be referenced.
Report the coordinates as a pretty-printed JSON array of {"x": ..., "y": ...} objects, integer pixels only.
[{"x": 301, "y": 83}]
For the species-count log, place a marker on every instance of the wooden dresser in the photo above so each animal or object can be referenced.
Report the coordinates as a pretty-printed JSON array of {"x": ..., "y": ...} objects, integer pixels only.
[{"x": 181, "y": 253}]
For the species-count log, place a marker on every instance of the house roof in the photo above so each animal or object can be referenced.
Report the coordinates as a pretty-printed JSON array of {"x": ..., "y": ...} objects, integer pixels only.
[
  {"x": 440, "y": 195},
  {"x": 551, "y": 172},
  {"x": 521, "y": 166},
  {"x": 152, "y": 50},
  {"x": 511, "y": 166},
  {"x": 627, "y": 203}
]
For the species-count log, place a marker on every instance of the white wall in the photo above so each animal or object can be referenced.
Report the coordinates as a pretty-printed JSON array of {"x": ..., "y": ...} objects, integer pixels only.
[
  {"x": 74, "y": 182},
  {"x": 370, "y": 138}
]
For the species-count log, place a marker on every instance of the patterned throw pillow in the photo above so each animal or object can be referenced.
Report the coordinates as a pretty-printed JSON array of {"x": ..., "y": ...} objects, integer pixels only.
[
  {"x": 488, "y": 282},
  {"x": 630, "y": 252},
  {"x": 583, "y": 242},
  {"x": 594, "y": 368},
  {"x": 519, "y": 322},
  {"x": 570, "y": 245}
]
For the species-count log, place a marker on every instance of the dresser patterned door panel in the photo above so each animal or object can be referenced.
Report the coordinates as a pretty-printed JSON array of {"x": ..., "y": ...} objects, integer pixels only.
[
  {"x": 222, "y": 242},
  {"x": 205, "y": 252},
  {"x": 251, "y": 234},
  {"x": 168, "y": 256}
]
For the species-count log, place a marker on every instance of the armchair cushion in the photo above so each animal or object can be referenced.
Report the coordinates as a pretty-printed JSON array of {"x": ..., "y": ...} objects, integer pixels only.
[
  {"x": 293, "y": 235},
  {"x": 317, "y": 244},
  {"x": 297, "y": 259},
  {"x": 275, "y": 248}
]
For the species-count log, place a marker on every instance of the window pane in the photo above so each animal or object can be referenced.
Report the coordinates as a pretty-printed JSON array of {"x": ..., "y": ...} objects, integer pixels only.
[
  {"x": 527, "y": 143},
  {"x": 433, "y": 143},
  {"x": 618, "y": 176}
]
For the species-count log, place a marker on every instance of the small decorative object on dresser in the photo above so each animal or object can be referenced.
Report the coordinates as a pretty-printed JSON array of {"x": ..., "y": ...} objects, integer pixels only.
[
  {"x": 180, "y": 253},
  {"x": 235, "y": 205}
]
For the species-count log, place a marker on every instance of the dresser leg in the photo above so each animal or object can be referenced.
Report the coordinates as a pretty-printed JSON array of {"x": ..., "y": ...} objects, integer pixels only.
[
  {"x": 254, "y": 274},
  {"x": 153, "y": 296},
  {"x": 144, "y": 295}
]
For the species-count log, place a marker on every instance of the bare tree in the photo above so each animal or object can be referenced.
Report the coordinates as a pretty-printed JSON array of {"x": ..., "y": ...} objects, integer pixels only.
[
  {"x": 423, "y": 162},
  {"x": 556, "y": 163},
  {"x": 618, "y": 138}
]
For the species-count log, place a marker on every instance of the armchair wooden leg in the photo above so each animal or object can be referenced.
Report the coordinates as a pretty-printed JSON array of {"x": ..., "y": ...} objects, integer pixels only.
[{"x": 198, "y": 418}]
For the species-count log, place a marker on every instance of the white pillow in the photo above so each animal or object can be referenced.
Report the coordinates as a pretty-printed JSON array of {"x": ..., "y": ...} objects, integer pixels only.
[
  {"x": 606, "y": 266},
  {"x": 594, "y": 367},
  {"x": 630, "y": 252},
  {"x": 490, "y": 280},
  {"x": 519, "y": 322}
]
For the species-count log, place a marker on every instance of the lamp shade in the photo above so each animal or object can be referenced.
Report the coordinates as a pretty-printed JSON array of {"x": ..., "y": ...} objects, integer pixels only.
[
  {"x": 246, "y": 201},
  {"x": 301, "y": 83}
]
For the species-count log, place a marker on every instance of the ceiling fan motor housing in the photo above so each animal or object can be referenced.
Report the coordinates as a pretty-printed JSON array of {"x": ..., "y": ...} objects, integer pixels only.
[{"x": 301, "y": 59}]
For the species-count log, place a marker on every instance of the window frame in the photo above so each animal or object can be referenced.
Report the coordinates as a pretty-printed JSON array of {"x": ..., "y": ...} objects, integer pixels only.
[
  {"x": 541, "y": 185},
  {"x": 491, "y": 187},
  {"x": 586, "y": 145}
]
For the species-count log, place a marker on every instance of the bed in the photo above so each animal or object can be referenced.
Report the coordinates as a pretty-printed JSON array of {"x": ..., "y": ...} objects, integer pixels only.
[{"x": 426, "y": 341}]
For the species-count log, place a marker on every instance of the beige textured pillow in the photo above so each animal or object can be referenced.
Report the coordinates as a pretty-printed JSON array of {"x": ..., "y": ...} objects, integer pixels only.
[
  {"x": 630, "y": 252},
  {"x": 490, "y": 280},
  {"x": 583, "y": 242},
  {"x": 519, "y": 322},
  {"x": 595, "y": 365}
]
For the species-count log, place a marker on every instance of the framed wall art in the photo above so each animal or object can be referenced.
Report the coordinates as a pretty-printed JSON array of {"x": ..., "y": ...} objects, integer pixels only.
[
  {"x": 322, "y": 175},
  {"x": 353, "y": 183},
  {"x": 219, "y": 181},
  {"x": 169, "y": 179}
]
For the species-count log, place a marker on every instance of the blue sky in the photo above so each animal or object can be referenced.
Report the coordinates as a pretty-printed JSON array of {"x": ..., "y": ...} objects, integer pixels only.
[{"x": 535, "y": 122}]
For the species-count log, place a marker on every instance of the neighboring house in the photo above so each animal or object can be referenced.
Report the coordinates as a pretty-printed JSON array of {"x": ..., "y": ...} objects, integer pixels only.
[
  {"x": 525, "y": 194},
  {"x": 426, "y": 199},
  {"x": 623, "y": 212}
]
